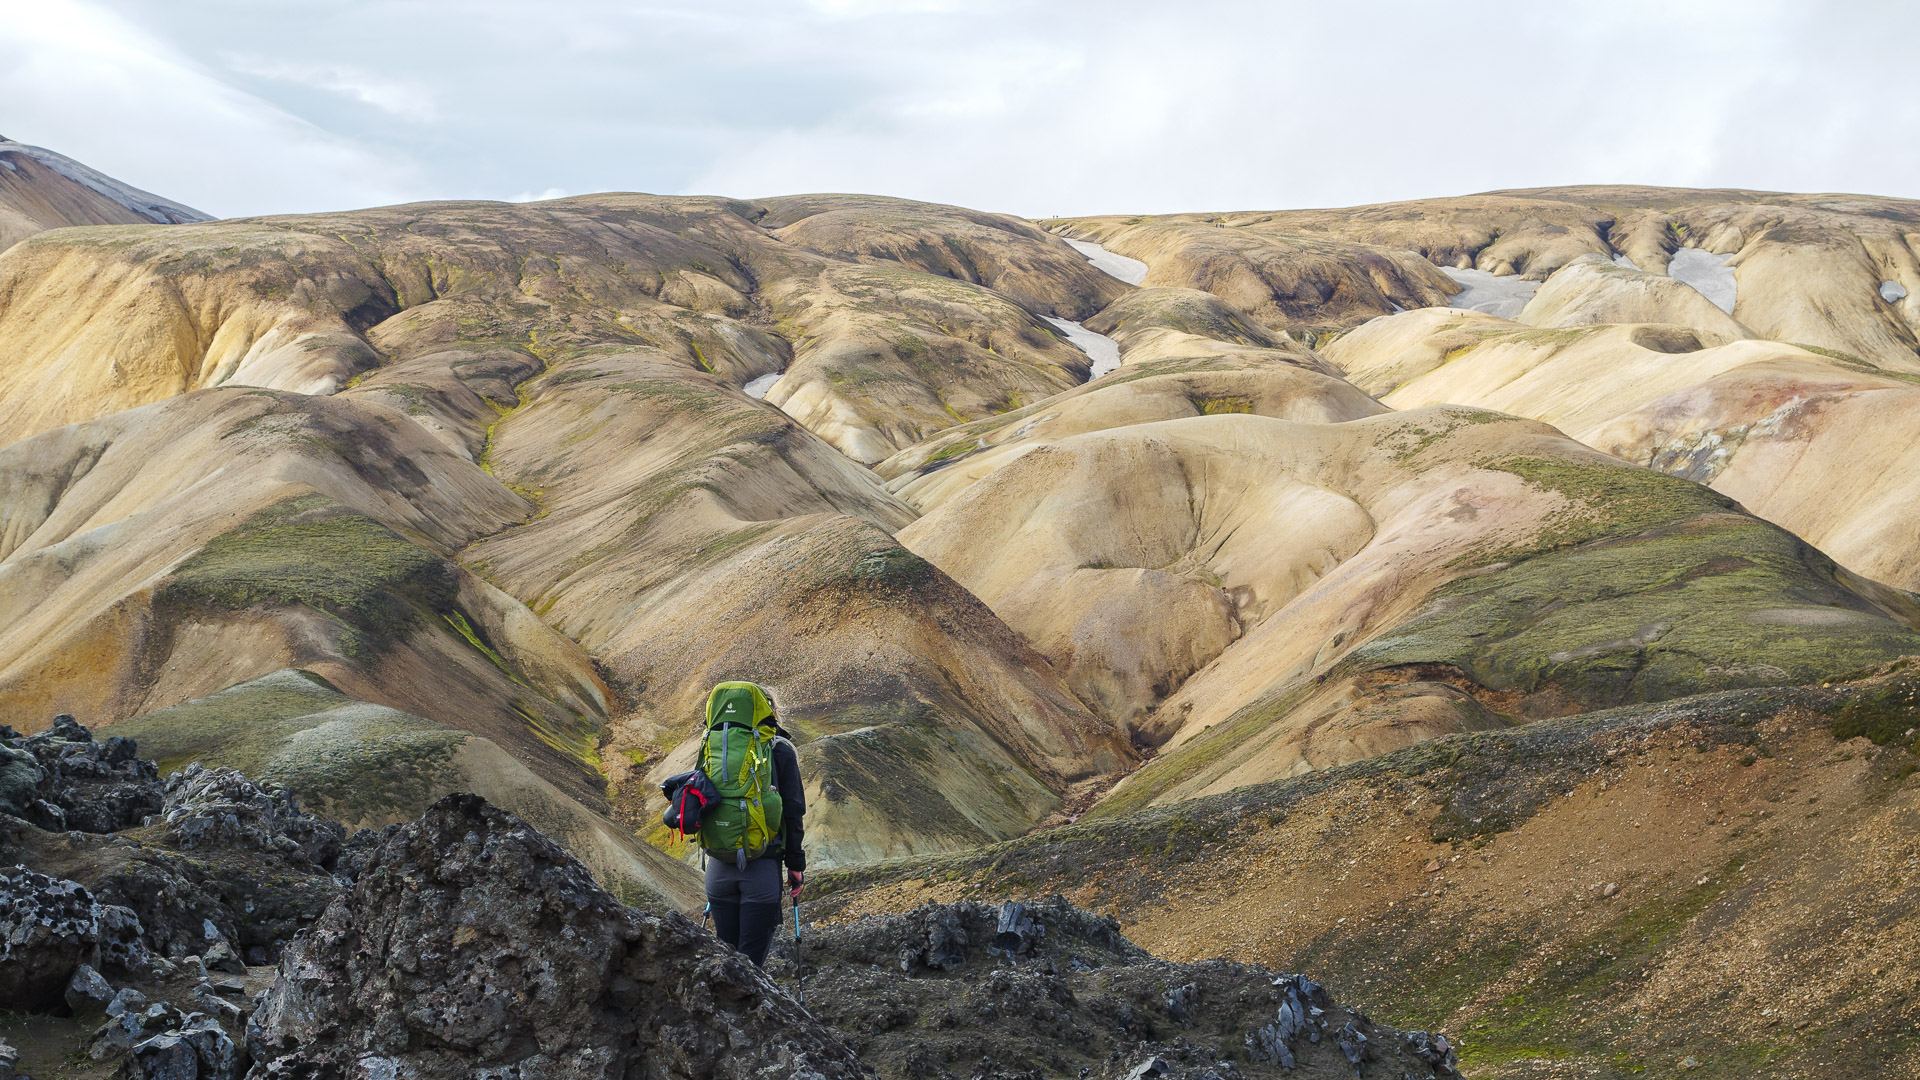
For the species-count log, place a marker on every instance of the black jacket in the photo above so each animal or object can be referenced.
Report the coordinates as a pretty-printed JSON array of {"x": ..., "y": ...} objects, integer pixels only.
[{"x": 791, "y": 843}]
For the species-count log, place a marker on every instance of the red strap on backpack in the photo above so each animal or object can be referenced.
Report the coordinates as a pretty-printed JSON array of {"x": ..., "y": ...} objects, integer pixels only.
[{"x": 684, "y": 790}]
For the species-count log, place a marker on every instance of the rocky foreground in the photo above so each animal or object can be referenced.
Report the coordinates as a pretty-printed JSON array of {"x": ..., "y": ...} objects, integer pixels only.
[{"x": 205, "y": 927}]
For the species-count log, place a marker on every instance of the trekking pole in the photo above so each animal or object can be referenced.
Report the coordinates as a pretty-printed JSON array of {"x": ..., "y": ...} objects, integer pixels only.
[
  {"x": 705, "y": 913},
  {"x": 799, "y": 973}
]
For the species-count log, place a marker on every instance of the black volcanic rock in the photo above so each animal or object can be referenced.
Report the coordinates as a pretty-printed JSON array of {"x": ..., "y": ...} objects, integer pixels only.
[
  {"x": 84, "y": 785},
  {"x": 48, "y": 928},
  {"x": 472, "y": 945},
  {"x": 222, "y": 808},
  {"x": 1045, "y": 989}
]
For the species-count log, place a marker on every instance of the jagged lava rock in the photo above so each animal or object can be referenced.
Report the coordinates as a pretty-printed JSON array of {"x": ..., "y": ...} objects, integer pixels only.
[
  {"x": 233, "y": 868},
  {"x": 198, "y": 1049},
  {"x": 48, "y": 928},
  {"x": 472, "y": 945},
  {"x": 1050, "y": 989},
  {"x": 222, "y": 808},
  {"x": 83, "y": 785}
]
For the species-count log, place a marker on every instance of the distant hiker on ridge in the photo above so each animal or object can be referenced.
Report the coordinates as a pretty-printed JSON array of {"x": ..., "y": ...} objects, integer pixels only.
[{"x": 744, "y": 802}]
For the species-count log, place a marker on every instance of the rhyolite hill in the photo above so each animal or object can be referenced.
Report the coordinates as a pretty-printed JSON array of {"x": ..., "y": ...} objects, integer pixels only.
[{"x": 472, "y": 496}]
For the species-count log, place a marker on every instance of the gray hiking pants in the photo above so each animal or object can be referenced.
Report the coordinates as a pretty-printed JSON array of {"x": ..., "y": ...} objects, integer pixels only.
[{"x": 745, "y": 903}]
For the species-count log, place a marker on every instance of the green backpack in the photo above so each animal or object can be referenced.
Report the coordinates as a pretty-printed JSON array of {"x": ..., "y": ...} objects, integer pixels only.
[{"x": 738, "y": 758}]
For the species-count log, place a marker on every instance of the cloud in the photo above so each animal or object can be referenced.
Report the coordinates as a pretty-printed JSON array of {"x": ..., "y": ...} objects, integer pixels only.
[
  {"x": 84, "y": 81},
  {"x": 406, "y": 100},
  {"x": 1073, "y": 106}
]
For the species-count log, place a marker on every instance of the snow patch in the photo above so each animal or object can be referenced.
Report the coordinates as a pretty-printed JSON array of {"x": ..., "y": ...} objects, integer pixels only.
[
  {"x": 757, "y": 388},
  {"x": 1503, "y": 295},
  {"x": 1622, "y": 260},
  {"x": 1131, "y": 271},
  {"x": 1101, "y": 349},
  {"x": 145, "y": 203},
  {"x": 1892, "y": 292},
  {"x": 1709, "y": 275}
]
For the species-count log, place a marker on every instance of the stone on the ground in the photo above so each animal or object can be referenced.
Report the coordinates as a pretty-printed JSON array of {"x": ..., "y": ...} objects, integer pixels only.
[
  {"x": 19, "y": 781},
  {"x": 220, "y": 956},
  {"x": 940, "y": 990},
  {"x": 88, "y": 990},
  {"x": 199, "y": 1049},
  {"x": 136, "y": 1021},
  {"x": 47, "y": 930}
]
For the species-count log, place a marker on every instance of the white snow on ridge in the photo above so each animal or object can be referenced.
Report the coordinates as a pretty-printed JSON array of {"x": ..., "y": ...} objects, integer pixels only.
[
  {"x": 1622, "y": 260},
  {"x": 1101, "y": 349},
  {"x": 1709, "y": 275},
  {"x": 758, "y": 387},
  {"x": 1892, "y": 292},
  {"x": 145, "y": 203},
  {"x": 1503, "y": 295},
  {"x": 1131, "y": 271}
]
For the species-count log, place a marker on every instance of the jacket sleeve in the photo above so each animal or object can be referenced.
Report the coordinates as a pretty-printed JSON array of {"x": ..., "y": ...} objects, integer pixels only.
[{"x": 793, "y": 806}]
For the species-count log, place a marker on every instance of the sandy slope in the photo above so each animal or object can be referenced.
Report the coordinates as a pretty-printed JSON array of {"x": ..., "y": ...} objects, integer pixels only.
[{"x": 1820, "y": 444}]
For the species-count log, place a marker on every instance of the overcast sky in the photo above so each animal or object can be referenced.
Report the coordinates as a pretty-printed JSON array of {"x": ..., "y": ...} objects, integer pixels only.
[{"x": 1030, "y": 107}]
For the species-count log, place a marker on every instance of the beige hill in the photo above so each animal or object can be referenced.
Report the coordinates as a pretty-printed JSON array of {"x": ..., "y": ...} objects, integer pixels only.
[
  {"x": 877, "y": 354},
  {"x": 1820, "y": 444},
  {"x": 1591, "y": 290},
  {"x": 549, "y": 395},
  {"x": 165, "y": 553},
  {"x": 1183, "y": 353},
  {"x": 1833, "y": 455},
  {"x": 1287, "y": 596},
  {"x": 1809, "y": 267},
  {"x": 1281, "y": 279},
  {"x": 710, "y": 537}
]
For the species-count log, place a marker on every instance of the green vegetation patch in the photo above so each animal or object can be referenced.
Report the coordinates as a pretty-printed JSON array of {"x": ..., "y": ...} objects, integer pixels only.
[
  {"x": 1608, "y": 499},
  {"x": 312, "y": 552},
  {"x": 1412, "y": 441},
  {"x": 1888, "y": 714},
  {"x": 1714, "y": 602},
  {"x": 347, "y": 759},
  {"x": 1215, "y": 406}
]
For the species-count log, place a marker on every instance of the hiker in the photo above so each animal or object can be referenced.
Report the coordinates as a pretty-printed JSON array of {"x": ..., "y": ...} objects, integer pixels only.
[{"x": 745, "y": 804}]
